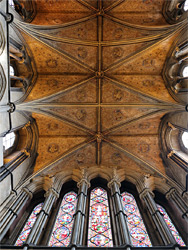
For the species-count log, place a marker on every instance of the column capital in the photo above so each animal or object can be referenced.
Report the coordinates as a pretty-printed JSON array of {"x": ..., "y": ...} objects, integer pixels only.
[
  {"x": 185, "y": 194},
  {"x": 169, "y": 193},
  {"x": 28, "y": 192},
  {"x": 112, "y": 181},
  {"x": 83, "y": 180},
  {"x": 84, "y": 177},
  {"x": 52, "y": 191},
  {"x": 145, "y": 192}
]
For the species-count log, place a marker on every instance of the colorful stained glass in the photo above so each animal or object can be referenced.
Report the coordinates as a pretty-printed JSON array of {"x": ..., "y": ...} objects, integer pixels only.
[
  {"x": 28, "y": 226},
  {"x": 135, "y": 223},
  {"x": 63, "y": 226},
  {"x": 99, "y": 233},
  {"x": 171, "y": 226}
]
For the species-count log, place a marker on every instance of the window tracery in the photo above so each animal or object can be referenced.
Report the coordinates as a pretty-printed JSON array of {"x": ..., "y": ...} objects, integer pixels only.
[
  {"x": 136, "y": 225},
  {"x": 99, "y": 231},
  {"x": 28, "y": 225},
  {"x": 171, "y": 226},
  {"x": 64, "y": 222}
]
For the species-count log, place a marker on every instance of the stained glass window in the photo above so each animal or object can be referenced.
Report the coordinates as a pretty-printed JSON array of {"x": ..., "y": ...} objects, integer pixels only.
[
  {"x": 135, "y": 223},
  {"x": 28, "y": 226},
  {"x": 63, "y": 226},
  {"x": 171, "y": 226},
  {"x": 99, "y": 233}
]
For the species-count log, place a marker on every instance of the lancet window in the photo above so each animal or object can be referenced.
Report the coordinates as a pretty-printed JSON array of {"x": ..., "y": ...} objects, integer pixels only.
[
  {"x": 100, "y": 222},
  {"x": 136, "y": 225},
  {"x": 171, "y": 226},
  {"x": 62, "y": 230},
  {"x": 99, "y": 231},
  {"x": 28, "y": 226}
]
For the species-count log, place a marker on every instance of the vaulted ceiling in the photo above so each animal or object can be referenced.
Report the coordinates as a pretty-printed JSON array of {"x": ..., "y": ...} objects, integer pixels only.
[{"x": 99, "y": 96}]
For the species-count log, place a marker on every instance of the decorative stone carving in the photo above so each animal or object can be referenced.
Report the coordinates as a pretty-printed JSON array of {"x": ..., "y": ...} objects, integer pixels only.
[
  {"x": 117, "y": 52},
  {"x": 148, "y": 62},
  {"x": 144, "y": 147},
  {"x": 118, "y": 33},
  {"x": 82, "y": 53},
  {"x": 2, "y": 39},
  {"x": 148, "y": 83},
  {"x": 118, "y": 115},
  {"x": 81, "y": 33},
  {"x": 52, "y": 63},
  {"x": 52, "y": 82},
  {"x": 80, "y": 158},
  {"x": 53, "y": 148},
  {"x": 81, "y": 114},
  {"x": 2, "y": 82},
  {"x": 52, "y": 126},
  {"x": 144, "y": 125},
  {"x": 116, "y": 158},
  {"x": 118, "y": 95},
  {"x": 80, "y": 95}
]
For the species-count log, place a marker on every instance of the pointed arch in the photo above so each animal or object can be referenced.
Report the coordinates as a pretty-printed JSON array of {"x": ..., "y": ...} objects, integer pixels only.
[
  {"x": 28, "y": 225},
  {"x": 171, "y": 225},
  {"x": 99, "y": 231},
  {"x": 62, "y": 230},
  {"x": 136, "y": 225}
]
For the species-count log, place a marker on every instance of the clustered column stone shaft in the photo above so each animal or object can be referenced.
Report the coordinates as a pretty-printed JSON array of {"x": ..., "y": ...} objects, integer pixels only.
[
  {"x": 147, "y": 196},
  {"x": 173, "y": 195},
  {"x": 12, "y": 209},
  {"x": 79, "y": 217},
  {"x": 51, "y": 195},
  {"x": 120, "y": 217}
]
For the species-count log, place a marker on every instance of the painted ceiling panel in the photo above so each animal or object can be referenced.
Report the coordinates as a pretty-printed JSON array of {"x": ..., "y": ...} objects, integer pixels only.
[{"x": 100, "y": 95}]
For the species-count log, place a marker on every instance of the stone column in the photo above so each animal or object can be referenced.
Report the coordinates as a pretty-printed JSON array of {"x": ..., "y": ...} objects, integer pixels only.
[
  {"x": 12, "y": 209},
  {"x": 173, "y": 195},
  {"x": 148, "y": 197},
  {"x": 50, "y": 197},
  {"x": 119, "y": 214},
  {"x": 79, "y": 217}
]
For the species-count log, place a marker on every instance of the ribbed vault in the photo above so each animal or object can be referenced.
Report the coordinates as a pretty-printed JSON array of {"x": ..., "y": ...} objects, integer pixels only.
[{"x": 100, "y": 95}]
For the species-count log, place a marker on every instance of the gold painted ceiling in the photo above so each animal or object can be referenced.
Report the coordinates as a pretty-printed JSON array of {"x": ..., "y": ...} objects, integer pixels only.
[{"x": 99, "y": 96}]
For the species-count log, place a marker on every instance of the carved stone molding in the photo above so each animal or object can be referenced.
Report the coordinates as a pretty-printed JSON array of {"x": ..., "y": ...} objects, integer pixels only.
[{"x": 2, "y": 82}]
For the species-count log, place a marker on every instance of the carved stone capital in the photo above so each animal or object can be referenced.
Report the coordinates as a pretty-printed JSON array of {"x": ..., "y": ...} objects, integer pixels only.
[
  {"x": 83, "y": 180},
  {"x": 28, "y": 192},
  {"x": 51, "y": 191},
  {"x": 170, "y": 154},
  {"x": 27, "y": 125},
  {"x": 114, "y": 180},
  {"x": 168, "y": 194},
  {"x": 145, "y": 192}
]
